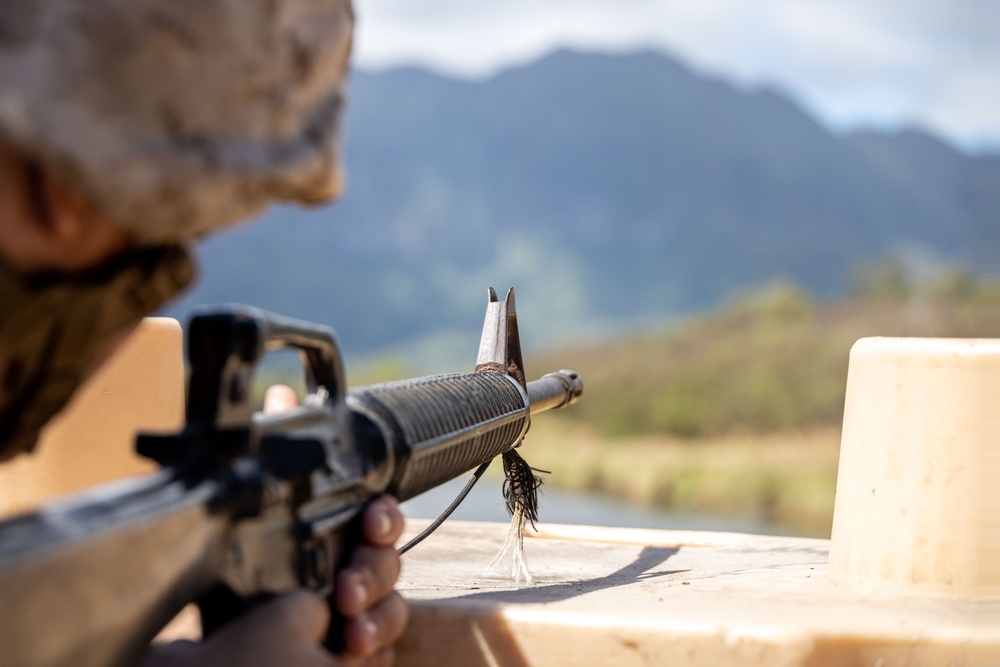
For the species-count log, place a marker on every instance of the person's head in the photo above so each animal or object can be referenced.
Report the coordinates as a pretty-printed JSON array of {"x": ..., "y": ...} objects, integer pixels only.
[
  {"x": 129, "y": 128},
  {"x": 176, "y": 117}
]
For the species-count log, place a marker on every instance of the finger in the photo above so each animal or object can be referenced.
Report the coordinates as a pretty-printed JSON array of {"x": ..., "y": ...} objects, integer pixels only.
[
  {"x": 379, "y": 629},
  {"x": 369, "y": 578},
  {"x": 279, "y": 398},
  {"x": 383, "y": 522}
]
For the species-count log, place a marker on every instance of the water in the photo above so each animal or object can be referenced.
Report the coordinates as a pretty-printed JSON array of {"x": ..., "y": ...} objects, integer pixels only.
[{"x": 485, "y": 503}]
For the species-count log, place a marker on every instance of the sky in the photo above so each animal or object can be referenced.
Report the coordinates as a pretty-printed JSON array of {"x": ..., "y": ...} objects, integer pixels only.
[{"x": 880, "y": 64}]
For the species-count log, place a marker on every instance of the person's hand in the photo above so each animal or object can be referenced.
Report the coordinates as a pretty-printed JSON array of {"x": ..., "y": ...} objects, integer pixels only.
[
  {"x": 364, "y": 592},
  {"x": 289, "y": 630}
]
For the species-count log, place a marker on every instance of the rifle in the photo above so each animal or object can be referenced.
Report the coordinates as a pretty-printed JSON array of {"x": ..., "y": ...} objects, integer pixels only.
[{"x": 247, "y": 505}]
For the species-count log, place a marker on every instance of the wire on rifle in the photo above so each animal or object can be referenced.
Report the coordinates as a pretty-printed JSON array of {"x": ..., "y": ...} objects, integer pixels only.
[{"x": 448, "y": 511}]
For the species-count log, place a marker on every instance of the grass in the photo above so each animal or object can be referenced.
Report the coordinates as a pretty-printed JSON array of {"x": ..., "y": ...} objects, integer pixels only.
[
  {"x": 768, "y": 362},
  {"x": 785, "y": 480},
  {"x": 737, "y": 412}
]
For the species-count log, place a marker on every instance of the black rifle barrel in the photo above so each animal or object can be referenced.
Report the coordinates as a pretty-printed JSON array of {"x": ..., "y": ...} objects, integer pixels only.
[{"x": 554, "y": 390}]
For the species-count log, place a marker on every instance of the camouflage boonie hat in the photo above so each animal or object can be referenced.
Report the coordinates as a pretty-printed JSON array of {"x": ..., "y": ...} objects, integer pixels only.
[{"x": 175, "y": 117}]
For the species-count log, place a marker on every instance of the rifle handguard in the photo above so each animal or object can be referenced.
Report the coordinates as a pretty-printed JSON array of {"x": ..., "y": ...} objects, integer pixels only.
[{"x": 439, "y": 427}]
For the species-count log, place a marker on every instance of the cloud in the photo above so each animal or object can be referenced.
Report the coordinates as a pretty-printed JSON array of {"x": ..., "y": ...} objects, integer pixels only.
[{"x": 852, "y": 62}]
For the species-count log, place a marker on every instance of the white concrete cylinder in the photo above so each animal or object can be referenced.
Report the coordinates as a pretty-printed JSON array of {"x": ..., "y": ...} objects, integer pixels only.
[{"x": 918, "y": 490}]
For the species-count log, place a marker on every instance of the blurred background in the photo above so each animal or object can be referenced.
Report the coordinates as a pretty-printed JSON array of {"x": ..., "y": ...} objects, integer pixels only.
[{"x": 702, "y": 205}]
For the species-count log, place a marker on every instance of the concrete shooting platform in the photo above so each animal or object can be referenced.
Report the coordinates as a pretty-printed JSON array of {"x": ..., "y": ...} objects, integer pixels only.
[
  {"x": 911, "y": 576},
  {"x": 631, "y": 597}
]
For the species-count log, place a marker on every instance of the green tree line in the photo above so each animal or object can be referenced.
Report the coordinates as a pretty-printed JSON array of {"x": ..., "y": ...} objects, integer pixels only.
[{"x": 770, "y": 360}]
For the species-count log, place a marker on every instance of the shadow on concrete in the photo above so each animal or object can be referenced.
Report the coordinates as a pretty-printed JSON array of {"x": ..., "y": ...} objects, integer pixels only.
[
  {"x": 637, "y": 570},
  {"x": 448, "y": 635}
]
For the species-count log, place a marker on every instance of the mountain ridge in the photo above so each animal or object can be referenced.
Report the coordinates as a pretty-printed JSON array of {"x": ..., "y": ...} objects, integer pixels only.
[{"x": 608, "y": 189}]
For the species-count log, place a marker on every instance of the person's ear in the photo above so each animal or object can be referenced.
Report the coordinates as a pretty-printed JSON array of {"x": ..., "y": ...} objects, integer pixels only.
[
  {"x": 44, "y": 226},
  {"x": 61, "y": 215},
  {"x": 78, "y": 236}
]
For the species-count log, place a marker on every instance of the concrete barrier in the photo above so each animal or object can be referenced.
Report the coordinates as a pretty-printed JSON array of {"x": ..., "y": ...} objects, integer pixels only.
[{"x": 92, "y": 440}]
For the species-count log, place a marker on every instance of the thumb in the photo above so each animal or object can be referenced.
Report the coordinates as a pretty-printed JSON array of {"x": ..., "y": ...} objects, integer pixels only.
[{"x": 299, "y": 612}]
